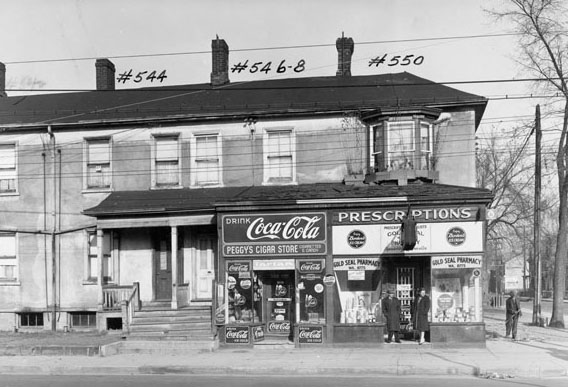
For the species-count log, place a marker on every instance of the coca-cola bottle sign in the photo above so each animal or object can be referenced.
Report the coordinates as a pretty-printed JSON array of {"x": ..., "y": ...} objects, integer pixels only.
[
  {"x": 310, "y": 335},
  {"x": 236, "y": 335}
]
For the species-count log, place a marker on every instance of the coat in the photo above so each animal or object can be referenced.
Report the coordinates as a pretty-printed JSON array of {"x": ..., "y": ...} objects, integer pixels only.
[
  {"x": 391, "y": 311},
  {"x": 513, "y": 307},
  {"x": 420, "y": 313}
]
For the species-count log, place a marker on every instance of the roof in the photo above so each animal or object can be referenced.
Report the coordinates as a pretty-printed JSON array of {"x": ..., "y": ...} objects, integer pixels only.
[
  {"x": 201, "y": 101},
  {"x": 207, "y": 200}
]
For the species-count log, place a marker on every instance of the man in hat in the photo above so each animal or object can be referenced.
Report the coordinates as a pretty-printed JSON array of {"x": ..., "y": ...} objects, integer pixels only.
[
  {"x": 391, "y": 311},
  {"x": 513, "y": 312}
]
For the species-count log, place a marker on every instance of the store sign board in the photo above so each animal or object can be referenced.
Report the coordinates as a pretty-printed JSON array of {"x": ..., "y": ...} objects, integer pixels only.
[
  {"x": 310, "y": 334},
  {"x": 274, "y": 234},
  {"x": 273, "y": 264},
  {"x": 237, "y": 335},
  {"x": 359, "y": 263},
  {"x": 257, "y": 333},
  {"x": 450, "y": 237},
  {"x": 457, "y": 262},
  {"x": 311, "y": 266},
  {"x": 390, "y": 215}
]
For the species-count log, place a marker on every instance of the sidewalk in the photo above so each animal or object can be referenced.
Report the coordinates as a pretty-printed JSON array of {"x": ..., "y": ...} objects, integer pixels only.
[{"x": 540, "y": 353}]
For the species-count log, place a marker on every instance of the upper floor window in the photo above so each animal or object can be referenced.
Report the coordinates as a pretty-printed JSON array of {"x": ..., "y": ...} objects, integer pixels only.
[
  {"x": 98, "y": 163},
  {"x": 402, "y": 144},
  {"x": 279, "y": 156},
  {"x": 166, "y": 171},
  {"x": 206, "y": 160},
  {"x": 8, "y": 173},
  {"x": 8, "y": 257}
]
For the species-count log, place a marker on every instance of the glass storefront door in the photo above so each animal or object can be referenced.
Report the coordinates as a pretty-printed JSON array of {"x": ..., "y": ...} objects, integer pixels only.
[{"x": 278, "y": 301}]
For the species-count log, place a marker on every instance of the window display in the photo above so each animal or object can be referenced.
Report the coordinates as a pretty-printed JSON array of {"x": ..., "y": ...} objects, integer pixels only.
[
  {"x": 456, "y": 291},
  {"x": 312, "y": 300},
  {"x": 357, "y": 281},
  {"x": 242, "y": 293}
]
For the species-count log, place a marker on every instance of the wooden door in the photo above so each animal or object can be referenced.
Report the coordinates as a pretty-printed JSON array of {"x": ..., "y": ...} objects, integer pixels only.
[
  {"x": 204, "y": 268},
  {"x": 163, "y": 268}
]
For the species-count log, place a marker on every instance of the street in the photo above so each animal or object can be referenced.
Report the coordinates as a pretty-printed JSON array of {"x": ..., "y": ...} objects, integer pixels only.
[{"x": 272, "y": 380}]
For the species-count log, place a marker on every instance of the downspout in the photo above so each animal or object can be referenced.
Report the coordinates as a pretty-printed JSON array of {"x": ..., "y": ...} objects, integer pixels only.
[
  {"x": 53, "y": 245},
  {"x": 59, "y": 234},
  {"x": 45, "y": 229}
]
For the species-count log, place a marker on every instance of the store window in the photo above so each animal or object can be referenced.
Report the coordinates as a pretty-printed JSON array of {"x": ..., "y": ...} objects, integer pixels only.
[
  {"x": 8, "y": 172},
  {"x": 402, "y": 144},
  {"x": 8, "y": 258},
  {"x": 456, "y": 290},
  {"x": 357, "y": 281},
  {"x": 311, "y": 291},
  {"x": 98, "y": 164},
  {"x": 166, "y": 163},
  {"x": 244, "y": 298}
]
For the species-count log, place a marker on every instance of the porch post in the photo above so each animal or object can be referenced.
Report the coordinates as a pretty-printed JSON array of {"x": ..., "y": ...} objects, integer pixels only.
[
  {"x": 100, "y": 241},
  {"x": 174, "y": 266}
]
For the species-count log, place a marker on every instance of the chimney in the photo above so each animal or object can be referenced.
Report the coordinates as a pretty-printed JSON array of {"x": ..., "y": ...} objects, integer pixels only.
[
  {"x": 105, "y": 74},
  {"x": 345, "y": 47},
  {"x": 3, "y": 80},
  {"x": 220, "y": 68}
]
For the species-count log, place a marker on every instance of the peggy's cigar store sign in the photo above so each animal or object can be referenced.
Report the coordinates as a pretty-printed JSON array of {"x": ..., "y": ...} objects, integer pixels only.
[
  {"x": 276, "y": 235},
  {"x": 438, "y": 230}
]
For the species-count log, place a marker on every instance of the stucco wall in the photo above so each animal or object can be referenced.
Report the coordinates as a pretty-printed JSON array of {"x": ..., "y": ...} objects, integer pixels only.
[{"x": 136, "y": 260}]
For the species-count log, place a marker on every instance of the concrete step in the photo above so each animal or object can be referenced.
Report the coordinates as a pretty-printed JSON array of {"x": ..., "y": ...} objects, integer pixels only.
[
  {"x": 169, "y": 326},
  {"x": 173, "y": 313},
  {"x": 171, "y": 319}
]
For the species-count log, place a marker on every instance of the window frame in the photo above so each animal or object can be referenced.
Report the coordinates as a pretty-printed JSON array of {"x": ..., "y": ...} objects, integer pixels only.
[
  {"x": 112, "y": 276},
  {"x": 36, "y": 315},
  {"x": 156, "y": 137},
  {"x": 91, "y": 319},
  {"x": 87, "y": 141},
  {"x": 195, "y": 160},
  {"x": 15, "y": 191},
  {"x": 266, "y": 156},
  {"x": 11, "y": 259}
]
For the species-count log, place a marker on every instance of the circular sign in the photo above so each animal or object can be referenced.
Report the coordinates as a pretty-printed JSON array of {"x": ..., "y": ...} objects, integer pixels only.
[
  {"x": 231, "y": 282},
  {"x": 476, "y": 272},
  {"x": 245, "y": 284},
  {"x": 456, "y": 236},
  {"x": 318, "y": 288},
  {"x": 445, "y": 301},
  {"x": 356, "y": 239},
  {"x": 329, "y": 279}
]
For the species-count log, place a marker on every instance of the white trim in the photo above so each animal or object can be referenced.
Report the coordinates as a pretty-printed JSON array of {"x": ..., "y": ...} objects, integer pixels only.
[
  {"x": 86, "y": 187},
  {"x": 16, "y": 162},
  {"x": 352, "y": 200},
  {"x": 194, "y": 162},
  {"x": 265, "y": 155},
  {"x": 16, "y": 260},
  {"x": 153, "y": 149}
]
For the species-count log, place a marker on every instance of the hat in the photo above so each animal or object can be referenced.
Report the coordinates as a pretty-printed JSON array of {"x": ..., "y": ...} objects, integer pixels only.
[{"x": 389, "y": 291}]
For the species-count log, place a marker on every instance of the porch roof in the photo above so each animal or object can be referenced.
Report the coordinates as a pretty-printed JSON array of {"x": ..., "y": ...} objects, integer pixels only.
[{"x": 210, "y": 200}]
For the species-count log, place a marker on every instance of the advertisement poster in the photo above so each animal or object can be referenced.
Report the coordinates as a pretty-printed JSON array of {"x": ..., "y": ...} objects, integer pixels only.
[
  {"x": 237, "y": 335},
  {"x": 310, "y": 335}
]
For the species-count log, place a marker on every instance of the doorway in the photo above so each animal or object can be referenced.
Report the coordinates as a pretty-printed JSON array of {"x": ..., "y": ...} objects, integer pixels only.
[
  {"x": 278, "y": 302},
  {"x": 162, "y": 266}
]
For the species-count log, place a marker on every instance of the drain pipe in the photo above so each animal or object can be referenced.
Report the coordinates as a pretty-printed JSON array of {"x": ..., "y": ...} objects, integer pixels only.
[{"x": 53, "y": 231}]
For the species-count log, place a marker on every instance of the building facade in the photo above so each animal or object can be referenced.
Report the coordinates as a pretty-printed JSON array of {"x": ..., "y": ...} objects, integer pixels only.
[{"x": 276, "y": 207}]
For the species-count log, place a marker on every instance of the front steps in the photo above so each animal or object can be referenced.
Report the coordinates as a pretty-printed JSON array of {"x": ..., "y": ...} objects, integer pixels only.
[{"x": 158, "y": 329}]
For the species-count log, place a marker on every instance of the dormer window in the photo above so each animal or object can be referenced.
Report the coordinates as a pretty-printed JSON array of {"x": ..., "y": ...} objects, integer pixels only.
[{"x": 402, "y": 144}]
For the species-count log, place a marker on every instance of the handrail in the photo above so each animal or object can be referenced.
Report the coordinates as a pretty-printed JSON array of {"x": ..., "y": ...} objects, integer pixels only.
[{"x": 129, "y": 306}]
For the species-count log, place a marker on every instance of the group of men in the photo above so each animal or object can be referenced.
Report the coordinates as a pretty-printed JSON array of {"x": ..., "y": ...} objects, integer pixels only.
[{"x": 391, "y": 310}]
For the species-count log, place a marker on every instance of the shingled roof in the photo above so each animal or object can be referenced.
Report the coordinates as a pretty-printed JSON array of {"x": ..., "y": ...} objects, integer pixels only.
[
  {"x": 306, "y": 95},
  {"x": 206, "y": 200}
]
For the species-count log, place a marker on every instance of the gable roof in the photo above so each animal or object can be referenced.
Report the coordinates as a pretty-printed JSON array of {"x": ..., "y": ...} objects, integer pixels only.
[
  {"x": 308, "y": 95},
  {"x": 206, "y": 200}
]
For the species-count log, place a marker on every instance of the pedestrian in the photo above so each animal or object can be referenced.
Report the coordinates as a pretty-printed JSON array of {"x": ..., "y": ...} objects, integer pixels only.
[
  {"x": 420, "y": 315},
  {"x": 513, "y": 312},
  {"x": 391, "y": 311}
]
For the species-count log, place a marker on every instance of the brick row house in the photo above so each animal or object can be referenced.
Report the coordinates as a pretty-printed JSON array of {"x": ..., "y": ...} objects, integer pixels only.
[{"x": 243, "y": 212}]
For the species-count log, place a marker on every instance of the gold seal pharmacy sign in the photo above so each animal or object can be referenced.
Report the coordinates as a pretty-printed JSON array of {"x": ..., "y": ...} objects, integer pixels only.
[{"x": 274, "y": 234}]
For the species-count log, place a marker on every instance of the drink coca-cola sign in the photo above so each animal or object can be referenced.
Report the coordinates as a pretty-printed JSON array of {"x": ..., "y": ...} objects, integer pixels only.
[
  {"x": 274, "y": 234},
  {"x": 279, "y": 326},
  {"x": 310, "y": 335},
  {"x": 238, "y": 267},
  {"x": 237, "y": 335}
]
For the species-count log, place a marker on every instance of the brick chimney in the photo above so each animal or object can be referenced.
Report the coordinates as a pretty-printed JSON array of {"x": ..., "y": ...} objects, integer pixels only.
[
  {"x": 220, "y": 67},
  {"x": 3, "y": 80},
  {"x": 105, "y": 74},
  {"x": 345, "y": 48}
]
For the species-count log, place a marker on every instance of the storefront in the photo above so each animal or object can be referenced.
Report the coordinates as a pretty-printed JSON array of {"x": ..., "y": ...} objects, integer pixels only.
[{"x": 317, "y": 277}]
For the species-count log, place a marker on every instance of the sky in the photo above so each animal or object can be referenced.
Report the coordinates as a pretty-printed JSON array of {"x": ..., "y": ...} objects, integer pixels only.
[{"x": 151, "y": 32}]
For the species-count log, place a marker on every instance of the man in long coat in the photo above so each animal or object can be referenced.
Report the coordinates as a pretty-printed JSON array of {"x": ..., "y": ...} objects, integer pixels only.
[
  {"x": 512, "y": 314},
  {"x": 391, "y": 311}
]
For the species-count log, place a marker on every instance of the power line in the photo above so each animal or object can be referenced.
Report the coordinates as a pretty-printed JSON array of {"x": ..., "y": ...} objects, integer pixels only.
[{"x": 263, "y": 48}]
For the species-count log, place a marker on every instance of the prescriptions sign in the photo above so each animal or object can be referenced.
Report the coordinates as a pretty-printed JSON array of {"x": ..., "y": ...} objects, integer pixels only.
[{"x": 274, "y": 234}]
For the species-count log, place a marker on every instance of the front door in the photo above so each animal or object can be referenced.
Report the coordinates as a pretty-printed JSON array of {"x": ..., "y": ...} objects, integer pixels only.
[
  {"x": 278, "y": 292},
  {"x": 163, "y": 268},
  {"x": 203, "y": 268}
]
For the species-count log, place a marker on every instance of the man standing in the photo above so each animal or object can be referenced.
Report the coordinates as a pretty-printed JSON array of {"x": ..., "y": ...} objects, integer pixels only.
[
  {"x": 512, "y": 315},
  {"x": 391, "y": 311}
]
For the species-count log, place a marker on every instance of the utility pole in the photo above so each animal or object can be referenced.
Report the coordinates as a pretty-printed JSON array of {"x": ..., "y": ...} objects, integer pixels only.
[
  {"x": 524, "y": 261},
  {"x": 537, "y": 184}
]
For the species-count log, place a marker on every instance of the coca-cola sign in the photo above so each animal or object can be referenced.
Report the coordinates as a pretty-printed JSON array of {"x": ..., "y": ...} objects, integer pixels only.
[
  {"x": 237, "y": 267},
  {"x": 237, "y": 335},
  {"x": 279, "y": 326},
  {"x": 274, "y": 234},
  {"x": 310, "y": 335},
  {"x": 310, "y": 266}
]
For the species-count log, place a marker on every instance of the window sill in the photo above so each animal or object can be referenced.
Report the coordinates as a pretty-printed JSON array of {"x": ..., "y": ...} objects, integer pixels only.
[
  {"x": 161, "y": 187},
  {"x": 212, "y": 185},
  {"x": 10, "y": 283},
  {"x": 10, "y": 193},
  {"x": 96, "y": 190},
  {"x": 280, "y": 183}
]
